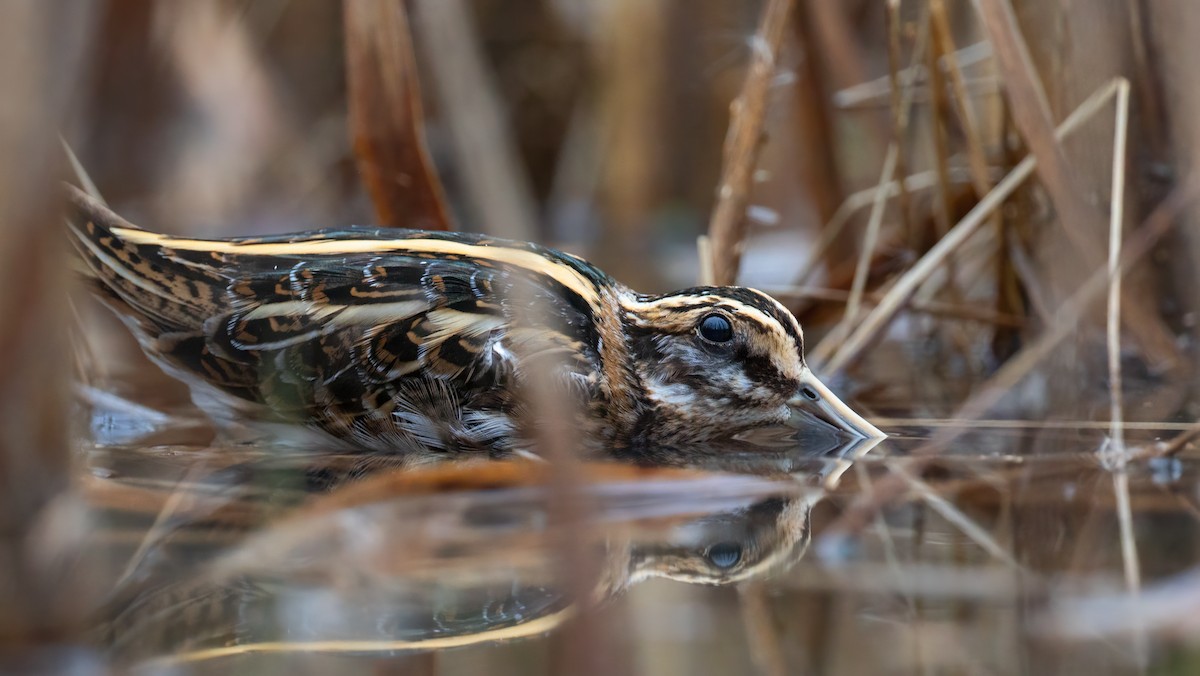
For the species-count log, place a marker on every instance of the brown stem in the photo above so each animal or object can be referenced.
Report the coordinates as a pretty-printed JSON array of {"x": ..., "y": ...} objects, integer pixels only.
[{"x": 728, "y": 226}]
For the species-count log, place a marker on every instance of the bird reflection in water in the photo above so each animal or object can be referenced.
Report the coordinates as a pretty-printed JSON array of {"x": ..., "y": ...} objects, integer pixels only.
[{"x": 452, "y": 567}]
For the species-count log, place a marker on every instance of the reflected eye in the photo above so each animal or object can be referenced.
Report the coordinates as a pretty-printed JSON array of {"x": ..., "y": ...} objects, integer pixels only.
[
  {"x": 715, "y": 328},
  {"x": 724, "y": 555}
]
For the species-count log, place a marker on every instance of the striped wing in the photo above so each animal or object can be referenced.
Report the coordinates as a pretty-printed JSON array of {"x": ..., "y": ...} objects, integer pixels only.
[{"x": 348, "y": 328}]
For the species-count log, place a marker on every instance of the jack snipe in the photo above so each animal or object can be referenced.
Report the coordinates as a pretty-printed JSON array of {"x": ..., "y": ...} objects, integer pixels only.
[{"x": 423, "y": 343}]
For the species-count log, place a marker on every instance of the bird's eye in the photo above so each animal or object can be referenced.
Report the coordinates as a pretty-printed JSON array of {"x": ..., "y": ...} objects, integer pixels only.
[
  {"x": 724, "y": 555},
  {"x": 715, "y": 328}
]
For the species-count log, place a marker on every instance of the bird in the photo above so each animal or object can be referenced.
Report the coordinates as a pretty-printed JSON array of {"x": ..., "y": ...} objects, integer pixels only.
[
  {"x": 453, "y": 595},
  {"x": 430, "y": 345}
]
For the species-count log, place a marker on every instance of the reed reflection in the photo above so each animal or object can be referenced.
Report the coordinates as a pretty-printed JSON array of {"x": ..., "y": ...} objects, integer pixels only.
[{"x": 403, "y": 561}]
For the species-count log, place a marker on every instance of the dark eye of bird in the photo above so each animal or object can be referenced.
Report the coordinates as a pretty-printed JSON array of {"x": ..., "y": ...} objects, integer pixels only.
[
  {"x": 724, "y": 555},
  {"x": 716, "y": 328}
]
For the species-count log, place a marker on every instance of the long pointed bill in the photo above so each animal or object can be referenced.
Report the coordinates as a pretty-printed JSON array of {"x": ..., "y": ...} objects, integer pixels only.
[{"x": 814, "y": 400}]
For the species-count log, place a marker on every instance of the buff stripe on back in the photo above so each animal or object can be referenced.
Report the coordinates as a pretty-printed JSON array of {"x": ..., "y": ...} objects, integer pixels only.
[{"x": 572, "y": 279}]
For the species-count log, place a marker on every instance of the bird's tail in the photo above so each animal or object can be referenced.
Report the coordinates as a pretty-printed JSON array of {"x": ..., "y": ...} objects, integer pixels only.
[{"x": 140, "y": 281}]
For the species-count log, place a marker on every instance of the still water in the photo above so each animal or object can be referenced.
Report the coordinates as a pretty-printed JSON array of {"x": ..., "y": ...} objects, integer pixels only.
[{"x": 779, "y": 557}]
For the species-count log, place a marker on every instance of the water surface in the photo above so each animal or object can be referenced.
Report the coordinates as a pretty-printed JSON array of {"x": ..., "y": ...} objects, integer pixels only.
[{"x": 993, "y": 559}]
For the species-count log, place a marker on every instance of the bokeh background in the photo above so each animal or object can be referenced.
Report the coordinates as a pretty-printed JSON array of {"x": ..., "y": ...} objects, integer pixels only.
[{"x": 601, "y": 127}]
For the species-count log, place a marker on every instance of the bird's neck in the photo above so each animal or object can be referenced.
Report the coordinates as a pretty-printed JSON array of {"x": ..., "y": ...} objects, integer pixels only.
[{"x": 619, "y": 379}]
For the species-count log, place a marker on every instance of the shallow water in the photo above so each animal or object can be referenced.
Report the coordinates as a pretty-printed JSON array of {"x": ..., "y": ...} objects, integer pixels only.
[{"x": 992, "y": 560}]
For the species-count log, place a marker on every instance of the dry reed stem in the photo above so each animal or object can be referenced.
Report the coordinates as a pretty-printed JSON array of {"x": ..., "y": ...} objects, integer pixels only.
[
  {"x": 1193, "y": 429},
  {"x": 158, "y": 529},
  {"x": 930, "y": 580},
  {"x": 901, "y": 107},
  {"x": 1116, "y": 222},
  {"x": 761, "y": 632},
  {"x": 1023, "y": 267},
  {"x": 858, "y": 200},
  {"x": 81, "y": 174},
  {"x": 976, "y": 87},
  {"x": 494, "y": 475},
  {"x": 1031, "y": 113},
  {"x": 864, "y": 94},
  {"x": 582, "y": 645},
  {"x": 629, "y": 125},
  {"x": 940, "y": 135},
  {"x": 497, "y": 185},
  {"x": 1129, "y": 558},
  {"x": 818, "y": 169},
  {"x": 728, "y": 226},
  {"x": 87, "y": 366},
  {"x": 838, "y": 48},
  {"x": 1129, "y": 553},
  {"x": 862, "y": 269},
  {"x": 1145, "y": 78},
  {"x": 385, "y": 117},
  {"x": 908, "y": 283},
  {"x": 1116, "y": 448},
  {"x": 930, "y": 307},
  {"x": 704, "y": 248},
  {"x": 538, "y": 626},
  {"x": 243, "y": 510},
  {"x": 1172, "y": 447},
  {"x": 44, "y": 586},
  {"x": 1032, "y": 116},
  {"x": 886, "y": 541},
  {"x": 976, "y": 154},
  {"x": 955, "y": 516},
  {"x": 900, "y": 96},
  {"x": 859, "y": 513}
]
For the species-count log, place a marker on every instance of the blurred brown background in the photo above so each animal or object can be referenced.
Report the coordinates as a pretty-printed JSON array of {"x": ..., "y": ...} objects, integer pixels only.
[{"x": 598, "y": 125}]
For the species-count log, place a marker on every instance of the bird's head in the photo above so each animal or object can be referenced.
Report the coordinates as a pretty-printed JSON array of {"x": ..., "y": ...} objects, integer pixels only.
[
  {"x": 728, "y": 547},
  {"x": 715, "y": 361}
]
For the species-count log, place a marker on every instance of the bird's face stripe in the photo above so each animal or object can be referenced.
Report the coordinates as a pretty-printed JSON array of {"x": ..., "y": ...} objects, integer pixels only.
[
  {"x": 566, "y": 275},
  {"x": 683, "y": 304},
  {"x": 788, "y": 318}
]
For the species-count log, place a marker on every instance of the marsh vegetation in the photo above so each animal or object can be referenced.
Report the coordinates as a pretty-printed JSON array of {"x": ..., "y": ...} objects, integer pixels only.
[{"x": 983, "y": 213}]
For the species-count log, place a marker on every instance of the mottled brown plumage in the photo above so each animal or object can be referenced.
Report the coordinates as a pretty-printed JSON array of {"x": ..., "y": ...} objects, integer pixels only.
[{"x": 429, "y": 344}]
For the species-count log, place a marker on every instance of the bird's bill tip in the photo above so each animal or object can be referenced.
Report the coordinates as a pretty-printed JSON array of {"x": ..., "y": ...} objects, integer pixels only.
[{"x": 815, "y": 400}]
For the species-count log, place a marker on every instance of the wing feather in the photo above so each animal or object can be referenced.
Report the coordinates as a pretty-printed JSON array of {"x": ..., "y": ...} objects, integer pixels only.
[{"x": 350, "y": 341}]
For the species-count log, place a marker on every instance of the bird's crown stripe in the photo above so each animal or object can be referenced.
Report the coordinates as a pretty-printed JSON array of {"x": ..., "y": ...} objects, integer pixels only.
[{"x": 685, "y": 304}]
